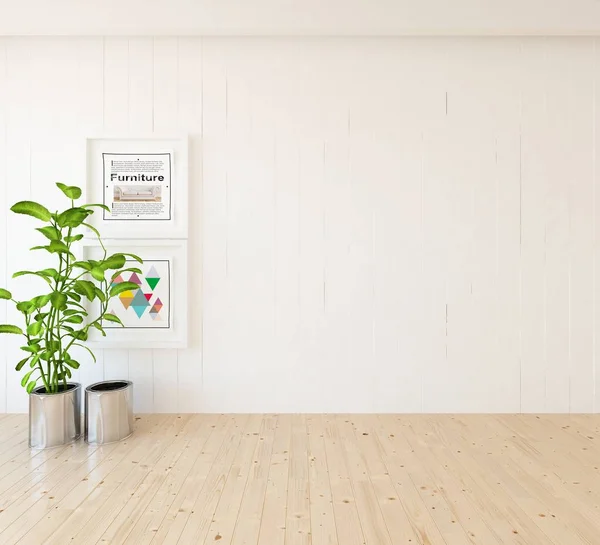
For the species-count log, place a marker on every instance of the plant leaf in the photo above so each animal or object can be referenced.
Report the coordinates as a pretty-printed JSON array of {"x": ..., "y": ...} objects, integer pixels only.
[
  {"x": 72, "y": 311},
  {"x": 23, "y": 273},
  {"x": 31, "y": 386},
  {"x": 52, "y": 273},
  {"x": 85, "y": 287},
  {"x": 26, "y": 307},
  {"x": 98, "y": 274},
  {"x": 70, "y": 191},
  {"x": 7, "y": 328},
  {"x": 26, "y": 378},
  {"x": 99, "y": 328},
  {"x": 82, "y": 265},
  {"x": 30, "y": 208},
  {"x": 73, "y": 217},
  {"x": 5, "y": 294},
  {"x": 75, "y": 319},
  {"x": 50, "y": 232},
  {"x": 34, "y": 361},
  {"x": 131, "y": 269},
  {"x": 138, "y": 259},
  {"x": 58, "y": 247},
  {"x": 72, "y": 363},
  {"x": 100, "y": 294},
  {"x": 34, "y": 329},
  {"x": 73, "y": 238},
  {"x": 74, "y": 296},
  {"x": 40, "y": 301},
  {"x": 80, "y": 335},
  {"x": 20, "y": 365},
  {"x": 58, "y": 300},
  {"x": 78, "y": 306},
  {"x": 103, "y": 206},
  {"x": 121, "y": 287},
  {"x": 115, "y": 261},
  {"x": 112, "y": 318}
]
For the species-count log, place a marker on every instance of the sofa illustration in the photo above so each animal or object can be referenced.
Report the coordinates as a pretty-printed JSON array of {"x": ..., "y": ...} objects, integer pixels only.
[{"x": 137, "y": 193}]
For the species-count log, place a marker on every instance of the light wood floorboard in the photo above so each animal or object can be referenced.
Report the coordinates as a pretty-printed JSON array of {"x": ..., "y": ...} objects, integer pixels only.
[{"x": 310, "y": 480}]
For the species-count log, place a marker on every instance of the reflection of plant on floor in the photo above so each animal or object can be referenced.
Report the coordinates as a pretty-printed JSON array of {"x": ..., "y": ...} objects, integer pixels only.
[{"x": 56, "y": 321}]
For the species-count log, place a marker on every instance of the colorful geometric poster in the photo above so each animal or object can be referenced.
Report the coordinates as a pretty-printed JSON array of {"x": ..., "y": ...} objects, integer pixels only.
[{"x": 149, "y": 306}]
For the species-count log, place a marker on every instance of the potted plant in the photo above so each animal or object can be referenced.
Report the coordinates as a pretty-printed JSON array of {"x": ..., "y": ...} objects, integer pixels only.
[{"x": 59, "y": 318}]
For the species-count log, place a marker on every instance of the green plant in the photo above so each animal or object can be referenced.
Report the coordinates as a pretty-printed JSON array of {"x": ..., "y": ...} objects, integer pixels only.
[{"x": 57, "y": 320}]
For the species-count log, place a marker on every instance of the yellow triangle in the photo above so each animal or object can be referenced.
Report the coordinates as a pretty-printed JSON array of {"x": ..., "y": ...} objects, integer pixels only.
[{"x": 126, "y": 295}]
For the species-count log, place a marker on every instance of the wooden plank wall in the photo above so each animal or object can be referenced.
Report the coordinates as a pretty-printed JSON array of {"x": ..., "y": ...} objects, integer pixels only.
[{"x": 402, "y": 225}]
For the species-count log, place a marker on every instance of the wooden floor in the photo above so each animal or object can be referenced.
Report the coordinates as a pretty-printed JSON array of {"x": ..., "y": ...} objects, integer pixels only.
[{"x": 310, "y": 479}]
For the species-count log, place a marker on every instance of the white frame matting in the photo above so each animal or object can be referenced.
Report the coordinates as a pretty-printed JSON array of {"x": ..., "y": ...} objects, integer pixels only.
[
  {"x": 174, "y": 228},
  {"x": 176, "y": 335}
]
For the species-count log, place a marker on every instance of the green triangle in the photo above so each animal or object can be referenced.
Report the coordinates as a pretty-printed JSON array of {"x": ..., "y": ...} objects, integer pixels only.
[{"x": 152, "y": 282}]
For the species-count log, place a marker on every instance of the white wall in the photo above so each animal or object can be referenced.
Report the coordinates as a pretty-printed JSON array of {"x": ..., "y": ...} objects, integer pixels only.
[{"x": 385, "y": 224}]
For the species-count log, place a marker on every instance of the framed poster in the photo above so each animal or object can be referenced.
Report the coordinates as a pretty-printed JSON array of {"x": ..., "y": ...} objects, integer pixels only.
[
  {"x": 155, "y": 315},
  {"x": 143, "y": 182}
]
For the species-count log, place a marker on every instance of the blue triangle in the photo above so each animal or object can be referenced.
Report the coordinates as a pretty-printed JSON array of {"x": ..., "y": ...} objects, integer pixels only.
[{"x": 138, "y": 310}]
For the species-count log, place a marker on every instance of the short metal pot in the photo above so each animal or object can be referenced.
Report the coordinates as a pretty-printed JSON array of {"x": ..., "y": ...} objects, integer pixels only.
[
  {"x": 108, "y": 411},
  {"x": 54, "y": 419}
]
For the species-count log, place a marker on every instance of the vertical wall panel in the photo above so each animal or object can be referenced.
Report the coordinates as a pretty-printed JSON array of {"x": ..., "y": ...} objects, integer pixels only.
[
  {"x": 89, "y": 54},
  {"x": 116, "y": 364},
  {"x": 397, "y": 269},
  {"x": 166, "y": 113},
  {"x": 504, "y": 383},
  {"x": 346, "y": 357},
  {"x": 437, "y": 374},
  {"x": 141, "y": 372},
  {"x": 18, "y": 187},
  {"x": 55, "y": 143},
  {"x": 190, "y": 98},
  {"x": 596, "y": 223},
  {"x": 557, "y": 228},
  {"x": 311, "y": 337},
  {"x": 140, "y": 120},
  {"x": 116, "y": 84},
  {"x": 141, "y": 85},
  {"x": 534, "y": 176},
  {"x": 580, "y": 156},
  {"x": 215, "y": 229},
  {"x": 287, "y": 361},
  {"x": 3, "y": 221},
  {"x": 117, "y": 100},
  {"x": 250, "y": 302}
]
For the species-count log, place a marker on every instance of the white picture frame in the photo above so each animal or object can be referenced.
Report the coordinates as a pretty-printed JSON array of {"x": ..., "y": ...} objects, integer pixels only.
[
  {"x": 170, "y": 330},
  {"x": 168, "y": 218}
]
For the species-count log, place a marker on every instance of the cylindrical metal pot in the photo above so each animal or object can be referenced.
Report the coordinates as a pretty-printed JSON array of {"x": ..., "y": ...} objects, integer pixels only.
[
  {"x": 108, "y": 411},
  {"x": 54, "y": 419}
]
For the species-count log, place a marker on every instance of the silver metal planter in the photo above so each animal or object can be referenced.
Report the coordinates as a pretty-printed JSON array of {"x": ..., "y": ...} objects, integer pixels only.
[
  {"x": 54, "y": 419},
  {"x": 108, "y": 411}
]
